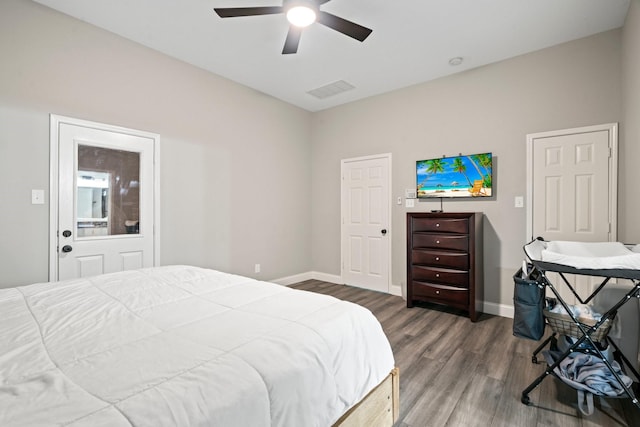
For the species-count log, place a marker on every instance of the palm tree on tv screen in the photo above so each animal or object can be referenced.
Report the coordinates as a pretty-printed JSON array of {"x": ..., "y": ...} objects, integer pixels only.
[
  {"x": 435, "y": 166},
  {"x": 431, "y": 167},
  {"x": 485, "y": 161},
  {"x": 422, "y": 165},
  {"x": 460, "y": 167}
]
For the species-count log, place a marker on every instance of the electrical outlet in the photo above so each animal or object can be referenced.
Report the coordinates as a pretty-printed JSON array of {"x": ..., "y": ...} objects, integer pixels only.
[
  {"x": 37, "y": 197},
  {"x": 257, "y": 268}
]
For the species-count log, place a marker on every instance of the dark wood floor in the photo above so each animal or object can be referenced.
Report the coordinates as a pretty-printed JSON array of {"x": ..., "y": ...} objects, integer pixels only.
[{"x": 457, "y": 373}]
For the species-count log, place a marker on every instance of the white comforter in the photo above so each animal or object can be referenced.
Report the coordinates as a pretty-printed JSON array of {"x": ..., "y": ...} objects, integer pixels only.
[{"x": 183, "y": 346}]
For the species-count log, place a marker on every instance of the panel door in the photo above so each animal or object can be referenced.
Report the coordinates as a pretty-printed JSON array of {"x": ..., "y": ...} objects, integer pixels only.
[
  {"x": 571, "y": 187},
  {"x": 105, "y": 201},
  {"x": 365, "y": 223},
  {"x": 573, "y": 178}
]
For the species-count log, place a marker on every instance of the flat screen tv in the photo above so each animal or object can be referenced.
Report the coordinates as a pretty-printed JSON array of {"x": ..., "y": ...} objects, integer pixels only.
[{"x": 455, "y": 176}]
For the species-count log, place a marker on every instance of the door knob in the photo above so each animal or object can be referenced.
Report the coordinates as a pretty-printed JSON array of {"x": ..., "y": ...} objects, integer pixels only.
[
  {"x": 383, "y": 231},
  {"x": 66, "y": 233},
  {"x": 67, "y": 248}
]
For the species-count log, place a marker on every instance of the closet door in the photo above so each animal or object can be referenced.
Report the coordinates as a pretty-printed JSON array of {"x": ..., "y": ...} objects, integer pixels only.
[{"x": 572, "y": 187}]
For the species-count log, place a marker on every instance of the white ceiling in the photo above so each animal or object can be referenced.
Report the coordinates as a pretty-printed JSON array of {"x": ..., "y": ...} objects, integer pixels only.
[{"x": 412, "y": 40}]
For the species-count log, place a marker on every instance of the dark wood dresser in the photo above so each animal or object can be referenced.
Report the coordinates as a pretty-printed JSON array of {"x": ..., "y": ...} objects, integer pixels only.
[{"x": 444, "y": 260}]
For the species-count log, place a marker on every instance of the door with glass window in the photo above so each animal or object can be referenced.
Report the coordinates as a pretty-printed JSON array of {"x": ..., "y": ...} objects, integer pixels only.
[{"x": 105, "y": 201}]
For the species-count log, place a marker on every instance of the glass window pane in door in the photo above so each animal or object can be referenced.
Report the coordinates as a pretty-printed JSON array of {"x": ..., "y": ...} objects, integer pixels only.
[{"x": 107, "y": 192}]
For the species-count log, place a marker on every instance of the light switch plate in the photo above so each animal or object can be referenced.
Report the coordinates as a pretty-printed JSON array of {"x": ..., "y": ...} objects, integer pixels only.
[
  {"x": 518, "y": 202},
  {"x": 409, "y": 203},
  {"x": 37, "y": 197}
]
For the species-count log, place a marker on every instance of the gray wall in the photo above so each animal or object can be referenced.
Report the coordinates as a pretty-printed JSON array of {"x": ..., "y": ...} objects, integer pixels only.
[
  {"x": 234, "y": 162},
  {"x": 628, "y": 199},
  {"x": 491, "y": 108},
  {"x": 248, "y": 179}
]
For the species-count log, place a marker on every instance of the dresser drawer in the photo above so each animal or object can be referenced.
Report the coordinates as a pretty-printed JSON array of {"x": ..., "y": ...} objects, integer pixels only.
[
  {"x": 442, "y": 225},
  {"x": 430, "y": 240},
  {"x": 458, "y": 260},
  {"x": 441, "y": 293},
  {"x": 440, "y": 275}
]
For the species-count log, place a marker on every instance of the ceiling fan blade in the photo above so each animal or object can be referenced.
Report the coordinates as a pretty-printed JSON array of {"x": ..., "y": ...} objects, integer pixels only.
[
  {"x": 292, "y": 41},
  {"x": 343, "y": 26},
  {"x": 320, "y": 2},
  {"x": 232, "y": 12}
]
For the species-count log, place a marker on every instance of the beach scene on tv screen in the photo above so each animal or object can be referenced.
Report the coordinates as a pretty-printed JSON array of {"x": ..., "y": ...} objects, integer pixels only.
[{"x": 460, "y": 176}]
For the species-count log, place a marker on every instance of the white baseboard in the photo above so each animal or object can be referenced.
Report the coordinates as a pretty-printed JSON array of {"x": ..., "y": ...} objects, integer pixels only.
[
  {"x": 290, "y": 280},
  {"x": 309, "y": 275},
  {"x": 325, "y": 277},
  {"x": 395, "y": 290},
  {"x": 502, "y": 310}
]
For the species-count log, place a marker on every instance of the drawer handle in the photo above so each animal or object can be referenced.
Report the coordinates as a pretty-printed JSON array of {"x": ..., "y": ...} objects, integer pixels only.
[
  {"x": 437, "y": 292},
  {"x": 437, "y": 274},
  {"x": 438, "y": 225},
  {"x": 438, "y": 241},
  {"x": 437, "y": 258}
]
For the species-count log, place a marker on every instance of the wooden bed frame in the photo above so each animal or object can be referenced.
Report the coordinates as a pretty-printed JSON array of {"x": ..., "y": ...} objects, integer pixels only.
[{"x": 379, "y": 408}]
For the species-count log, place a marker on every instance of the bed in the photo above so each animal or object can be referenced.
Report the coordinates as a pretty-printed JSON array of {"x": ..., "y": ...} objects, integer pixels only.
[{"x": 185, "y": 346}]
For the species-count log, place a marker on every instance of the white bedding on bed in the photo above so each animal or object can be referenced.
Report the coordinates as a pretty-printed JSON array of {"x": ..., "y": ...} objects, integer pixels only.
[
  {"x": 183, "y": 346},
  {"x": 592, "y": 255}
]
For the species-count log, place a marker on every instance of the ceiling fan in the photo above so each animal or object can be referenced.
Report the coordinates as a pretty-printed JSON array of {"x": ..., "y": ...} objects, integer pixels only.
[{"x": 300, "y": 14}]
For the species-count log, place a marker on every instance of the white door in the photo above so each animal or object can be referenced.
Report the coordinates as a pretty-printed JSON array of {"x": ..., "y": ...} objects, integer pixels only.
[
  {"x": 106, "y": 199},
  {"x": 366, "y": 209},
  {"x": 572, "y": 177}
]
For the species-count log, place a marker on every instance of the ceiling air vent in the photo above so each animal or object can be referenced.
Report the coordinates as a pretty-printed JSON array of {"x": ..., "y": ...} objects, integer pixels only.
[{"x": 331, "y": 89}]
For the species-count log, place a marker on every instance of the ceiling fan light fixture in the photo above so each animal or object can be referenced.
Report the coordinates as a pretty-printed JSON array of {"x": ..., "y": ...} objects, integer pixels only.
[{"x": 301, "y": 15}]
